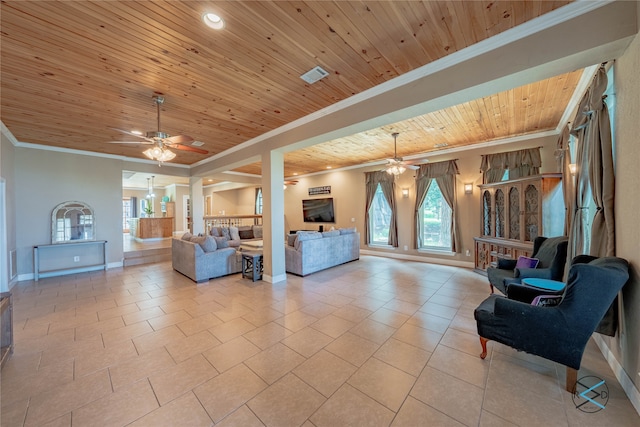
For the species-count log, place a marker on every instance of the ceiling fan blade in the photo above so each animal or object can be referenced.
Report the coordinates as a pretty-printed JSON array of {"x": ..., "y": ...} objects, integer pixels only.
[
  {"x": 179, "y": 139},
  {"x": 187, "y": 148},
  {"x": 412, "y": 167},
  {"x": 130, "y": 133},
  {"x": 130, "y": 142}
]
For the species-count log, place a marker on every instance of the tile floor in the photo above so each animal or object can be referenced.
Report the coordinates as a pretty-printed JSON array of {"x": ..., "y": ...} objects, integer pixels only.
[{"x": 376, "y": 342}]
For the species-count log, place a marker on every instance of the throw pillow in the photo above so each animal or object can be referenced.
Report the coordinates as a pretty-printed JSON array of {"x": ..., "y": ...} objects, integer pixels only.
[
  {"x": 215, "y": 232},
  {"x": 233, "y": 232},
  {"x": 526, "y": 262},
  {"x": 331, "y": 233},
  {"x": 291, "y": 239},
  {"x": 209, "y": 244},
  {"x": 246, "y": 234},
  {"x": 257, "y": 231},
  {"x": 186, "y": 236},
  {"x": 350, "y": 230},
  {"x": 221, "y": 242},
  {"x": 226, "y": 233}
]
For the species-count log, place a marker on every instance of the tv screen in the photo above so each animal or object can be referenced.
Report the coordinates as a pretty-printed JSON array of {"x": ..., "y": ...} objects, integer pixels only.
[{"x": 318, "y": 210}]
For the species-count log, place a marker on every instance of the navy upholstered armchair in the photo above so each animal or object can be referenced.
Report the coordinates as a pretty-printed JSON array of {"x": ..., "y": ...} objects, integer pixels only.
[
  {"x": 559, "y": 333},
  {"x": 550, "y": 251}
]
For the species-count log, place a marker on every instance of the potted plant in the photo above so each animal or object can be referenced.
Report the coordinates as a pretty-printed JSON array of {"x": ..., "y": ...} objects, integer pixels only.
[{"x": 148, "y": 210}]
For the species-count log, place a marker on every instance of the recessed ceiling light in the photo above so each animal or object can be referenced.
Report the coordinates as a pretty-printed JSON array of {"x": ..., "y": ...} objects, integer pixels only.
[
  {"x": 136, "y": 132},
  {"x": 212, "y": 20},
  {"x": 295, "y": 174},
  {"x": 210, "y": 180},
  {"x": 328, "y": 167}
]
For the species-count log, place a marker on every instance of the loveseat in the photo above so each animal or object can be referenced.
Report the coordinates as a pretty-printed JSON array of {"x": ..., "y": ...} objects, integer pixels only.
[
  {"x": 308, "y": 252},
  {"x": 203, "y": 258}
]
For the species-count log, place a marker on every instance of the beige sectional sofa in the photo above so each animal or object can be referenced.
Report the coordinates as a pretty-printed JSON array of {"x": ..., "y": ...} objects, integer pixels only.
[{"x": 308, "y": 252}]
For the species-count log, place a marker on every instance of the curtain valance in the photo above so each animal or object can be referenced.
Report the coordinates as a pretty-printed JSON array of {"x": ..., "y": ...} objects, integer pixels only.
[
  {"x": 436, "y": 170},
  {"x": 512, "y": 159}
]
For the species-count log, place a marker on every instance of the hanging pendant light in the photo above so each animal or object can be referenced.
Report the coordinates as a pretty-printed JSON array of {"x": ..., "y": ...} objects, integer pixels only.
[{"x": 150, "y": 193}]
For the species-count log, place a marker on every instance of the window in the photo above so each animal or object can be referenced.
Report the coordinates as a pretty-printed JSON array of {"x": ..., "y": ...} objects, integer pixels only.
[
  {"x": 258, "y": 201},
  {"x": 379, "y": 219},
  {"x": 436, "y": 217}
]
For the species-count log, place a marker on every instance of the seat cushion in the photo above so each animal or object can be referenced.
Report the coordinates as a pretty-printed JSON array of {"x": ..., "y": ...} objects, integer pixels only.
[{"x": 497, "y": 277}]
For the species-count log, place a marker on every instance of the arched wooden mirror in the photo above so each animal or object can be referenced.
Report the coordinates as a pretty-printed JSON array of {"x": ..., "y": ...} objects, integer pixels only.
[{"x": 72, "y": 222}]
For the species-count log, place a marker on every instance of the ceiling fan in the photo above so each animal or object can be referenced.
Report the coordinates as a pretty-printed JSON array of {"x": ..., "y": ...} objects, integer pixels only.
[
  {"x": 397, "y": 166},
  {"x": 161, "y": 141}
]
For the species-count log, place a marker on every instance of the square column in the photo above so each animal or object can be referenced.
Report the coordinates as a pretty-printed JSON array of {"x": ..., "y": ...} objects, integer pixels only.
[
  {"x": 196, "y": 199},
  {"x": 273, "y": 216}
]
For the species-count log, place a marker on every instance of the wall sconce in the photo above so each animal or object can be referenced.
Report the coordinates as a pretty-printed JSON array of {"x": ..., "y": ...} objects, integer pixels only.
[
  {"x": 468, "y": 189},
  {"x": 573, "y": 168},
  {"x": 405, "y": 193}
]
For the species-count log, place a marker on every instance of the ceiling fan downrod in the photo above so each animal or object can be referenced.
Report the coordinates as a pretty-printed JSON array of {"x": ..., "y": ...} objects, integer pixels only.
[
  {"x": 395, "y": 141},
  {"x": 159, "y": 100}
]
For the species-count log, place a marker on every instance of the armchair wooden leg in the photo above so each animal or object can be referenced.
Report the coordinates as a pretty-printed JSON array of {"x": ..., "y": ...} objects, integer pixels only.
[
  {"x": 491, "y": 287},
  {"x": 572, "y": 379},
  {"x": 483, "y": 343}
]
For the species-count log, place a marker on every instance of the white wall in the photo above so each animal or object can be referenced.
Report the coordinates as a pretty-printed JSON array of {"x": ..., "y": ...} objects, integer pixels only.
[
  {"x": 626, "y": 346},
  {"x": 44, "y": 179}
]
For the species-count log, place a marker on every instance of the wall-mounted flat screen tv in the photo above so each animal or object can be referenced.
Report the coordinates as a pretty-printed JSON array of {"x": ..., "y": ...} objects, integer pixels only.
[{"x": 318, "y": 210}]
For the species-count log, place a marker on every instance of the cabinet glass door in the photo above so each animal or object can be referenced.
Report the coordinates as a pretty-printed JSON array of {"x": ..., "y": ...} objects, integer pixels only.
[
  {"x": 531, "y": 217},
  {"x": 514, "y": 213},
  {"x": 486, "y": 213},
  {"x": 500, "y": 213}
]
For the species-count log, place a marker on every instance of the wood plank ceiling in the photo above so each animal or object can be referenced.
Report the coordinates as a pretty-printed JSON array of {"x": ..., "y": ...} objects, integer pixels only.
[{"x": 73, "y": 71}]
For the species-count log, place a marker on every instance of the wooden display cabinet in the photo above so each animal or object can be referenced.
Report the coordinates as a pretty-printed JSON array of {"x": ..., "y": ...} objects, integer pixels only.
[{"x": 514, "y": 213}]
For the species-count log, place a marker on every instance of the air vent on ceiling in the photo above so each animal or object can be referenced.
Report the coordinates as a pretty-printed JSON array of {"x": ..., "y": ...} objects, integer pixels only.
[
  {"x": 442, "y": 144},
  {"x": 314, "y": 75},
  {"x": 197, "y": 143}
]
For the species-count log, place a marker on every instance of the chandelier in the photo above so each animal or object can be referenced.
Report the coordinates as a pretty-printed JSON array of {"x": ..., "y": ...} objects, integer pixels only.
[{"x": 160, "y": 154}]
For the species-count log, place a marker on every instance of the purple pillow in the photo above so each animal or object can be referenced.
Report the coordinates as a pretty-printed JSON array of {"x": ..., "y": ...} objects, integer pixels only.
[{"x": 526, "y": 262}]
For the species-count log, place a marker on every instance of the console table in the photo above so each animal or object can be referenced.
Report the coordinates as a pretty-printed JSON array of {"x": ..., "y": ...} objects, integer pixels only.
[{"x": 69, "y": 258}]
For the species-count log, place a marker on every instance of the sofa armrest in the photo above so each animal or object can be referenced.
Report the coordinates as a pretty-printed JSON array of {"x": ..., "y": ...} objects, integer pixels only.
[
  {"x": 523, "y": 293},
  {"x": 506, "y": 264}
]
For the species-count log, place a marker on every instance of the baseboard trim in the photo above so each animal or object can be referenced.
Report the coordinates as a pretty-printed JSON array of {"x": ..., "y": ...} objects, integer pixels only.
[
  {"x": 430, "y": 260},
  {"x": 627, "y": 385},
  {"x": 274, "y": 279}
]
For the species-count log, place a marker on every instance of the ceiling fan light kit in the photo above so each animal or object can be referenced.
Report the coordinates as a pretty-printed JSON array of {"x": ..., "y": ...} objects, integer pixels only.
[
  {"x": 159, "y": 154},
  {"x": 396, "y": 170}
]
